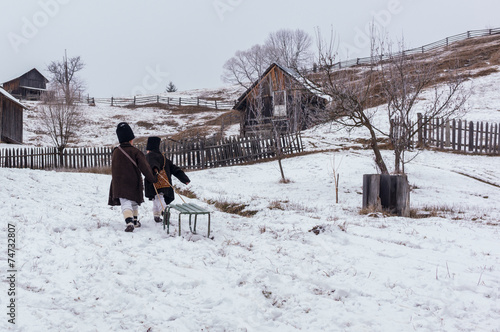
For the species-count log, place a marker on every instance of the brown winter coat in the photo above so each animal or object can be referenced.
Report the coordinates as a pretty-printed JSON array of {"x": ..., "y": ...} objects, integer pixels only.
[{"x": 126, "y": 179}]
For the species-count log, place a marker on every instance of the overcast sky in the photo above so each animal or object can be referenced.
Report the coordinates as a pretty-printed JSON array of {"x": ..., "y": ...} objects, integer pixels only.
[{"x": 136, "y": 47}]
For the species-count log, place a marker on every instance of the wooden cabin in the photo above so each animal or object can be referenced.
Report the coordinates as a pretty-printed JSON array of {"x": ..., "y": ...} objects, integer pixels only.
[
  {"x": 280, "y": 100},
  {"x": 11, "y": 118},
  {"x": 28, "y": 86}
]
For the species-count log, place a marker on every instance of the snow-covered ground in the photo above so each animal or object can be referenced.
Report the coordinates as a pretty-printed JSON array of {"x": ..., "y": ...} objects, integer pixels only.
[
  {"x": 77, "y": 270},
  {"x": 301, "y": 263}
]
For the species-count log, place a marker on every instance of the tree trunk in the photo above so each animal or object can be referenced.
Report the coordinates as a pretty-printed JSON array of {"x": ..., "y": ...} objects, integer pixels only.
[
  {"x": 376, "y": 150},
  {"x": 60, "y": 150}
]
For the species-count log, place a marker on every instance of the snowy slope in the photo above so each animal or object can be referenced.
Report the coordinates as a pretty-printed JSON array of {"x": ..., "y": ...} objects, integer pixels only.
[{"x": 79, "y": 271}]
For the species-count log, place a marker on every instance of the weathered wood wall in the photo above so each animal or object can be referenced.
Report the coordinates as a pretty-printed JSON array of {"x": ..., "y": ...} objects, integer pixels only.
[{"x": 11, "y": 123}]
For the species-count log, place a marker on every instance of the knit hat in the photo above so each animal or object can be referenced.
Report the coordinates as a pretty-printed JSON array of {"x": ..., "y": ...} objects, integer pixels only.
[
  {"x": 124, "y": 132},
  {"x": 153, "y": 144}
]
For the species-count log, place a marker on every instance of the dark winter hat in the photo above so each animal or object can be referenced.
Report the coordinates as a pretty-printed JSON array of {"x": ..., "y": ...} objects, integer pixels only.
[
  {"x": 124, "y": 132},
  {"x": 153, "y": 144}
]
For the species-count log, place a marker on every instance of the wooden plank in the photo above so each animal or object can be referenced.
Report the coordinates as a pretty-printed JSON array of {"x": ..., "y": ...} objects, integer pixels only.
[
  {"x": 459, "y": 138},
  {"x": 486, "y": 138},
  {"x": 477, "y": 137},
  {"x": 471, "y": 136},
  {"x": 453, "y": 134}
]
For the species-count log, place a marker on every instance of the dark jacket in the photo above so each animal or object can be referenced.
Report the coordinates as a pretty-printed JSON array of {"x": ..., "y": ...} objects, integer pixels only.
[
  {"x": 156, "y": 161},
  {"x": 126, "y": 179}
]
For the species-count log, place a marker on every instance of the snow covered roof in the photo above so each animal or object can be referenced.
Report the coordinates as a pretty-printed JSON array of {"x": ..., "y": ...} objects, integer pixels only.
[
  {"x": 34, "y": 69},
  {"x": 307, "y": 84},
  {"x": 9, "y": 96}
]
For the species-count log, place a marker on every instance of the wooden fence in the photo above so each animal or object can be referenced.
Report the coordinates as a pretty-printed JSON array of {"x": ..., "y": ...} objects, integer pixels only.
[
  {"x": 149, "y": 100},
  {"x": 201, "y": 154},
  {"x": 460, "y": 135},
  {"x": 192, "y": 154},
  {"x": 422, "y": 49},
  {"x": 49, "y": 158}
]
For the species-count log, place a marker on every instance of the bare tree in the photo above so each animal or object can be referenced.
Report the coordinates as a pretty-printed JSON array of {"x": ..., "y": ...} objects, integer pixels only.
[
  {"x": 393, "y": 78},
  {"x": 246, "y": 66},
  {"x": 289, "y": 48},
  {"x": 65, "y": 79},
  {"x": 267, "y": 113},
  {"x": 59, "y": 120},
  {"x": 405, "y": 79},
  {"x": 352, "y": 92}
]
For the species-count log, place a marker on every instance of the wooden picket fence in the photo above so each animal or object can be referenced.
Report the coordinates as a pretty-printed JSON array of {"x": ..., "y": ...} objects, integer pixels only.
[
  {"x": 165, "y": 100},
  {"x": 188, "y": 154},
  {"x": 50, "y": 158},
  {"x": 477, "y": 137},
  {"x": 200, "y": 154}
]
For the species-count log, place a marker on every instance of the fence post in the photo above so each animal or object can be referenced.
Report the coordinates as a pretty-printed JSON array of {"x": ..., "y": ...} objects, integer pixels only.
[
  {"x": 111, "y": 101},
  {"x": 216, "y": 105},
  {"x": 471, "y": 136},
  {"x": 180, "y": 102},
  {"x": 437, "y": 133},
  {"x": 447, "y": 134},
  {"x": 454, "y": 135},
  {"x": 486, "y": 142},
  {"x": 477, "y": 137},
  {"x": 420, "y": 142},
  {"x": 134, "y": 100},
  {"x": 496, "y": 141}
]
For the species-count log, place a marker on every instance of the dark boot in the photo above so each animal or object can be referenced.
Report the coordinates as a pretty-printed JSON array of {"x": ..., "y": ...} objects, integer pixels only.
[
  {"x": 130, "y": 225},
  {"x": 158, "y": 219},
  {"x": 137, "y": 223}
]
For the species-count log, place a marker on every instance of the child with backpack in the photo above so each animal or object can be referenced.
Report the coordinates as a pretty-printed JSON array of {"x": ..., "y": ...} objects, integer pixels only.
[
  {"x": 126, "y": 188},
  {"x": 161, "y": 197}
]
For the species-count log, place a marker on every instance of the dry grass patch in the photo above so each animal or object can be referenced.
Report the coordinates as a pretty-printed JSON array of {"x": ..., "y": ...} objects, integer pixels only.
[
  {"x": 145, "y": 124},
  {"x": 196, "y": 132},
  {"x": 185, "y": 192},
  {"x": 233, "y": 208},
  {"x": 226, "y": 119}
]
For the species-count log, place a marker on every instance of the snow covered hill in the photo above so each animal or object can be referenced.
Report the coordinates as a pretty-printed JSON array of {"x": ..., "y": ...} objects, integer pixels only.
[{"x": 301, "y": 262}]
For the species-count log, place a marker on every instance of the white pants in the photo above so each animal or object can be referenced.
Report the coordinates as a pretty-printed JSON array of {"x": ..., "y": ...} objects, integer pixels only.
[
  {"x": 158, "y": 204},
  {"x": 129, "y": 208}
]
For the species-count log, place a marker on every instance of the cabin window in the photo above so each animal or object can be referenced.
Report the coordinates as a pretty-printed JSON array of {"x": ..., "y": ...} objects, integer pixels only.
[{"x": 279, "y": 103}]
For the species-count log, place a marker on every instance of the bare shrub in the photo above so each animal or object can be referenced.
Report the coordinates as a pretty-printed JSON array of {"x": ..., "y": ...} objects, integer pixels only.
[{"x": 59, "y": 120}]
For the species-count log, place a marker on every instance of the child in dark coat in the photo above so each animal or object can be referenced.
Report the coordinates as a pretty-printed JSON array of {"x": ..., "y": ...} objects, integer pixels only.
[
  {"x": 158, "y": 161},
  {"x": 126, "y": 187}
]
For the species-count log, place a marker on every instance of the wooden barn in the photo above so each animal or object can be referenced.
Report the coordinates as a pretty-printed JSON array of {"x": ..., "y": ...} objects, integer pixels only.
[
  {"x": 11, "y": 118},
  {"x": 280, "y": 100},
  {"x": 28, "y": 86}
]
